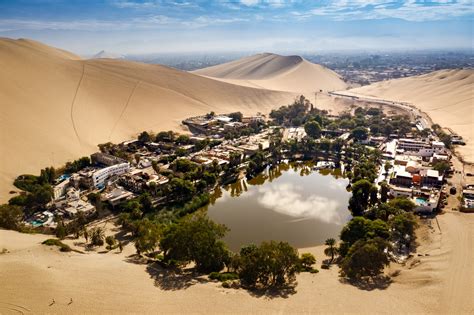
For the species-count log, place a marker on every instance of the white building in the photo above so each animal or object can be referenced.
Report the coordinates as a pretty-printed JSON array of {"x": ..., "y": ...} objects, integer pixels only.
[
  {"x": 412, "y": 145},
  {"x": 60, "y": 189},
  {"x": 100, "y": 176},
  {"x": 421, "y": 148},
  {"x": 425, "y": 203}
]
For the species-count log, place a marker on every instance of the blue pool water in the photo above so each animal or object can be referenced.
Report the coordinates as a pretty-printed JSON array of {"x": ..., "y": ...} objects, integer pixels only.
[{"x": 421, "y": 201}]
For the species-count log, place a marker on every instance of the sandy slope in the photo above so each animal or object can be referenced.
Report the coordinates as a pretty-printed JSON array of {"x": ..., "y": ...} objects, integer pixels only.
[
  {"x": 55, "y": 107},
  {"x": 109, "y": 283},
  {"x": 447, "y": 96},
  {"x": 275, "y": 72}
]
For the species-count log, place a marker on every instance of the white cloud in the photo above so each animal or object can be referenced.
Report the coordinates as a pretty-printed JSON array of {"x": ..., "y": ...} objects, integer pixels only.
[
  {"x": 147, "y": 22},
  {"x": 249, "y": 2},
  {"x": 288, "y": 199},
  {"x": 409, "y": 10}
]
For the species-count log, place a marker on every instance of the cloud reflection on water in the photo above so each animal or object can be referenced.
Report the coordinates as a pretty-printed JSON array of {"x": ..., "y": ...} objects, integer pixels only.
[{"x": 289, "y": 199}]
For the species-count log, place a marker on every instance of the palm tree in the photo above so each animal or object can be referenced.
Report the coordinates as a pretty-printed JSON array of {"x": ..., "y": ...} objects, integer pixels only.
[
  {"x": 97, "y": 236},
  {"x": 332, "y": 250}
]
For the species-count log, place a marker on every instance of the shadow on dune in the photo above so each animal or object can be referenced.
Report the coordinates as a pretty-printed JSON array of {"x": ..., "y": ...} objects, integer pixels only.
[
  {"x": 370, "y": 283},
  {"x": 174, "y": 278},
  {"x": 272, "y": 293},
  {"x": 123, "y": 236}
]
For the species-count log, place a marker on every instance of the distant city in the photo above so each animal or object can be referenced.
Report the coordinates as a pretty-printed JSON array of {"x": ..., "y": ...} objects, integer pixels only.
[{"x": 361, "y": 68}]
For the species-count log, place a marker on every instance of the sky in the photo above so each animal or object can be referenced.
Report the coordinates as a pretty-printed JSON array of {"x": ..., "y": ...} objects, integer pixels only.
[{"x": 184, "y": 26}]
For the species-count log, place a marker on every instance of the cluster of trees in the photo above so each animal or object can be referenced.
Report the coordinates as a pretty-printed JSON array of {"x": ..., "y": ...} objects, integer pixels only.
[
  {"x": 77, "y": 165},
  {"x": 256, "y": 163},
  {"x": 443, "y": 136},
  {"x": 37, "y": 192},
  {"x": 298, "y": 113},
  {"x": 372, "y": 119},
  {"x": 198, "y": 239},
  {"x": 367, "y": 240}
]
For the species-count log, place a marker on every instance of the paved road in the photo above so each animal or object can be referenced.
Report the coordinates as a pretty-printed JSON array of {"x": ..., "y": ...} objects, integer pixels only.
[{"x": 408, "y": 107}]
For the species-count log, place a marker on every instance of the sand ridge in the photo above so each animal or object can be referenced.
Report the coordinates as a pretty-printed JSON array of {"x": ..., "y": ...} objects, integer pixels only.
[
  {"x": 275, "y": 72},
  {"x": 56, "y": 107}
]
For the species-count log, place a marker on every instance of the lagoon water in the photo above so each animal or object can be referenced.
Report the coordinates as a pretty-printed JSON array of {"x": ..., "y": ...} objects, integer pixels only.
[{"x": 287, "y": 203}]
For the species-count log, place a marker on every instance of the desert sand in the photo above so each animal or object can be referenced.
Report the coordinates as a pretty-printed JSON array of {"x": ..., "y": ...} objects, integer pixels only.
[
  {"x": 447, "y": 96},
  {"x": 275, "y": 72},
  {"x": 438, "y": 281},
  {"x": 56, "y": 107}
]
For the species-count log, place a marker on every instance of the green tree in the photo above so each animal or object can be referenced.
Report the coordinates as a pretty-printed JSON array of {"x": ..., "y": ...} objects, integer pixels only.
[
  {"x": 61, "y": 231},
  {"x": 110, "y": 241},
  {"x": 47, "y": 175},
  {"x": 359, "y": 133},
  {"x": 360, "y": 196},
  {"x": 165, "y": 136},
  {"x": 147, "y": 236},
  {"x": 332, "y": 249},
  {"x": 402, "y": 229},
  {"x": 384, "y": 189},
  {"x": 144, "y": 137},
  {"x": 11, "y": 217},
  {"x": 442, "y": 167},
  {"x": 183, "y": 139},
  {"x": 366, "y": 258},
  {"x": 181, "y": 189},
  {"x": 382, "y": 211},
  {"x": 313, "y": 129},
  {"x": 402, "y": 203},
  {"x": 307, "y": 260},
  {"x": 196, "y": 238},
  {"x": 97, "y": 236},
  {"x": 271, "y": 264},
  {"x": 361, "y": 228},
  {"x": 155, "y": 166},
  {"x": 237, "y": 116}
]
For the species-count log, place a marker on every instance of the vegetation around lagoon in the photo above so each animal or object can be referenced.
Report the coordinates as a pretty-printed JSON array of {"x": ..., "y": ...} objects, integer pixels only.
[{"x": 166, "y": 218}]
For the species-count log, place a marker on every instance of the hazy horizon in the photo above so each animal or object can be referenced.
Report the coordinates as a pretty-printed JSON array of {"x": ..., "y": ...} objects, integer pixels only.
[{"x": 245, "y": 26}]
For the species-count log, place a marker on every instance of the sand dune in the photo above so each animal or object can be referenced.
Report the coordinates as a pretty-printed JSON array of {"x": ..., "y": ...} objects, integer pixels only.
[
  {"x": 447, "y": 96},
  {"x": 437, "y": 282},
  {"x": 275, "y": 72},
  {"x": 55, "y": 107}
]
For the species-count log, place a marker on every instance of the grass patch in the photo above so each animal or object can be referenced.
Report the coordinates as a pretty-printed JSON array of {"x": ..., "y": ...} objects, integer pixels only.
[
  {"x": 225, "y": 276},
  {"x": 55, "y": 242}
]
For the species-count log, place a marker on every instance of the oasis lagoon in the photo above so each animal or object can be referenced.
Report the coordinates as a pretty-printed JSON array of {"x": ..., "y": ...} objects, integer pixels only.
[{"x": 289, "y": 202}]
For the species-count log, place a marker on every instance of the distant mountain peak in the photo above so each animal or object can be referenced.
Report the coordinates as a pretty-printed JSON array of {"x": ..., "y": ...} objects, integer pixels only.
[{"x": 106, "y": 54}]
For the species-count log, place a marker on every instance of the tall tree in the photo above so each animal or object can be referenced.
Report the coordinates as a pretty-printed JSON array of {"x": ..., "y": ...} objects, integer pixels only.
[
  {"x": 313, "y": 129},
  {"x": 332, "y": 249},
  {"x": 366, "y": 258}
]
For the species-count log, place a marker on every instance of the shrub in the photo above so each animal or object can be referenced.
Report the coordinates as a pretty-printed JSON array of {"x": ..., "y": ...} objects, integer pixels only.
[
  {"x": 55, "y": 242},
  {"x": 10, "y": 217},
  {"x": 307, "y": 261},
  {"x": 224, "y": 276},
  {"x": 111, "y": 241}
]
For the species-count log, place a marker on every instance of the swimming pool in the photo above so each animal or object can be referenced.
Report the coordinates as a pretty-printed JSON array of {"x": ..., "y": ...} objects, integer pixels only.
[
  {"x": 36, "y": 223},
  {"x": 421, "y": 201}
]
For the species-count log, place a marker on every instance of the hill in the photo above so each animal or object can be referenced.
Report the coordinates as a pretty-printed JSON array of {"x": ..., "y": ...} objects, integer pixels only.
[
  {"x": 446, "y": 96},
  {"x": 275, "y": 72},
  {"x": 106, "y": 54},
  {"x": 55, "y": 107}
]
